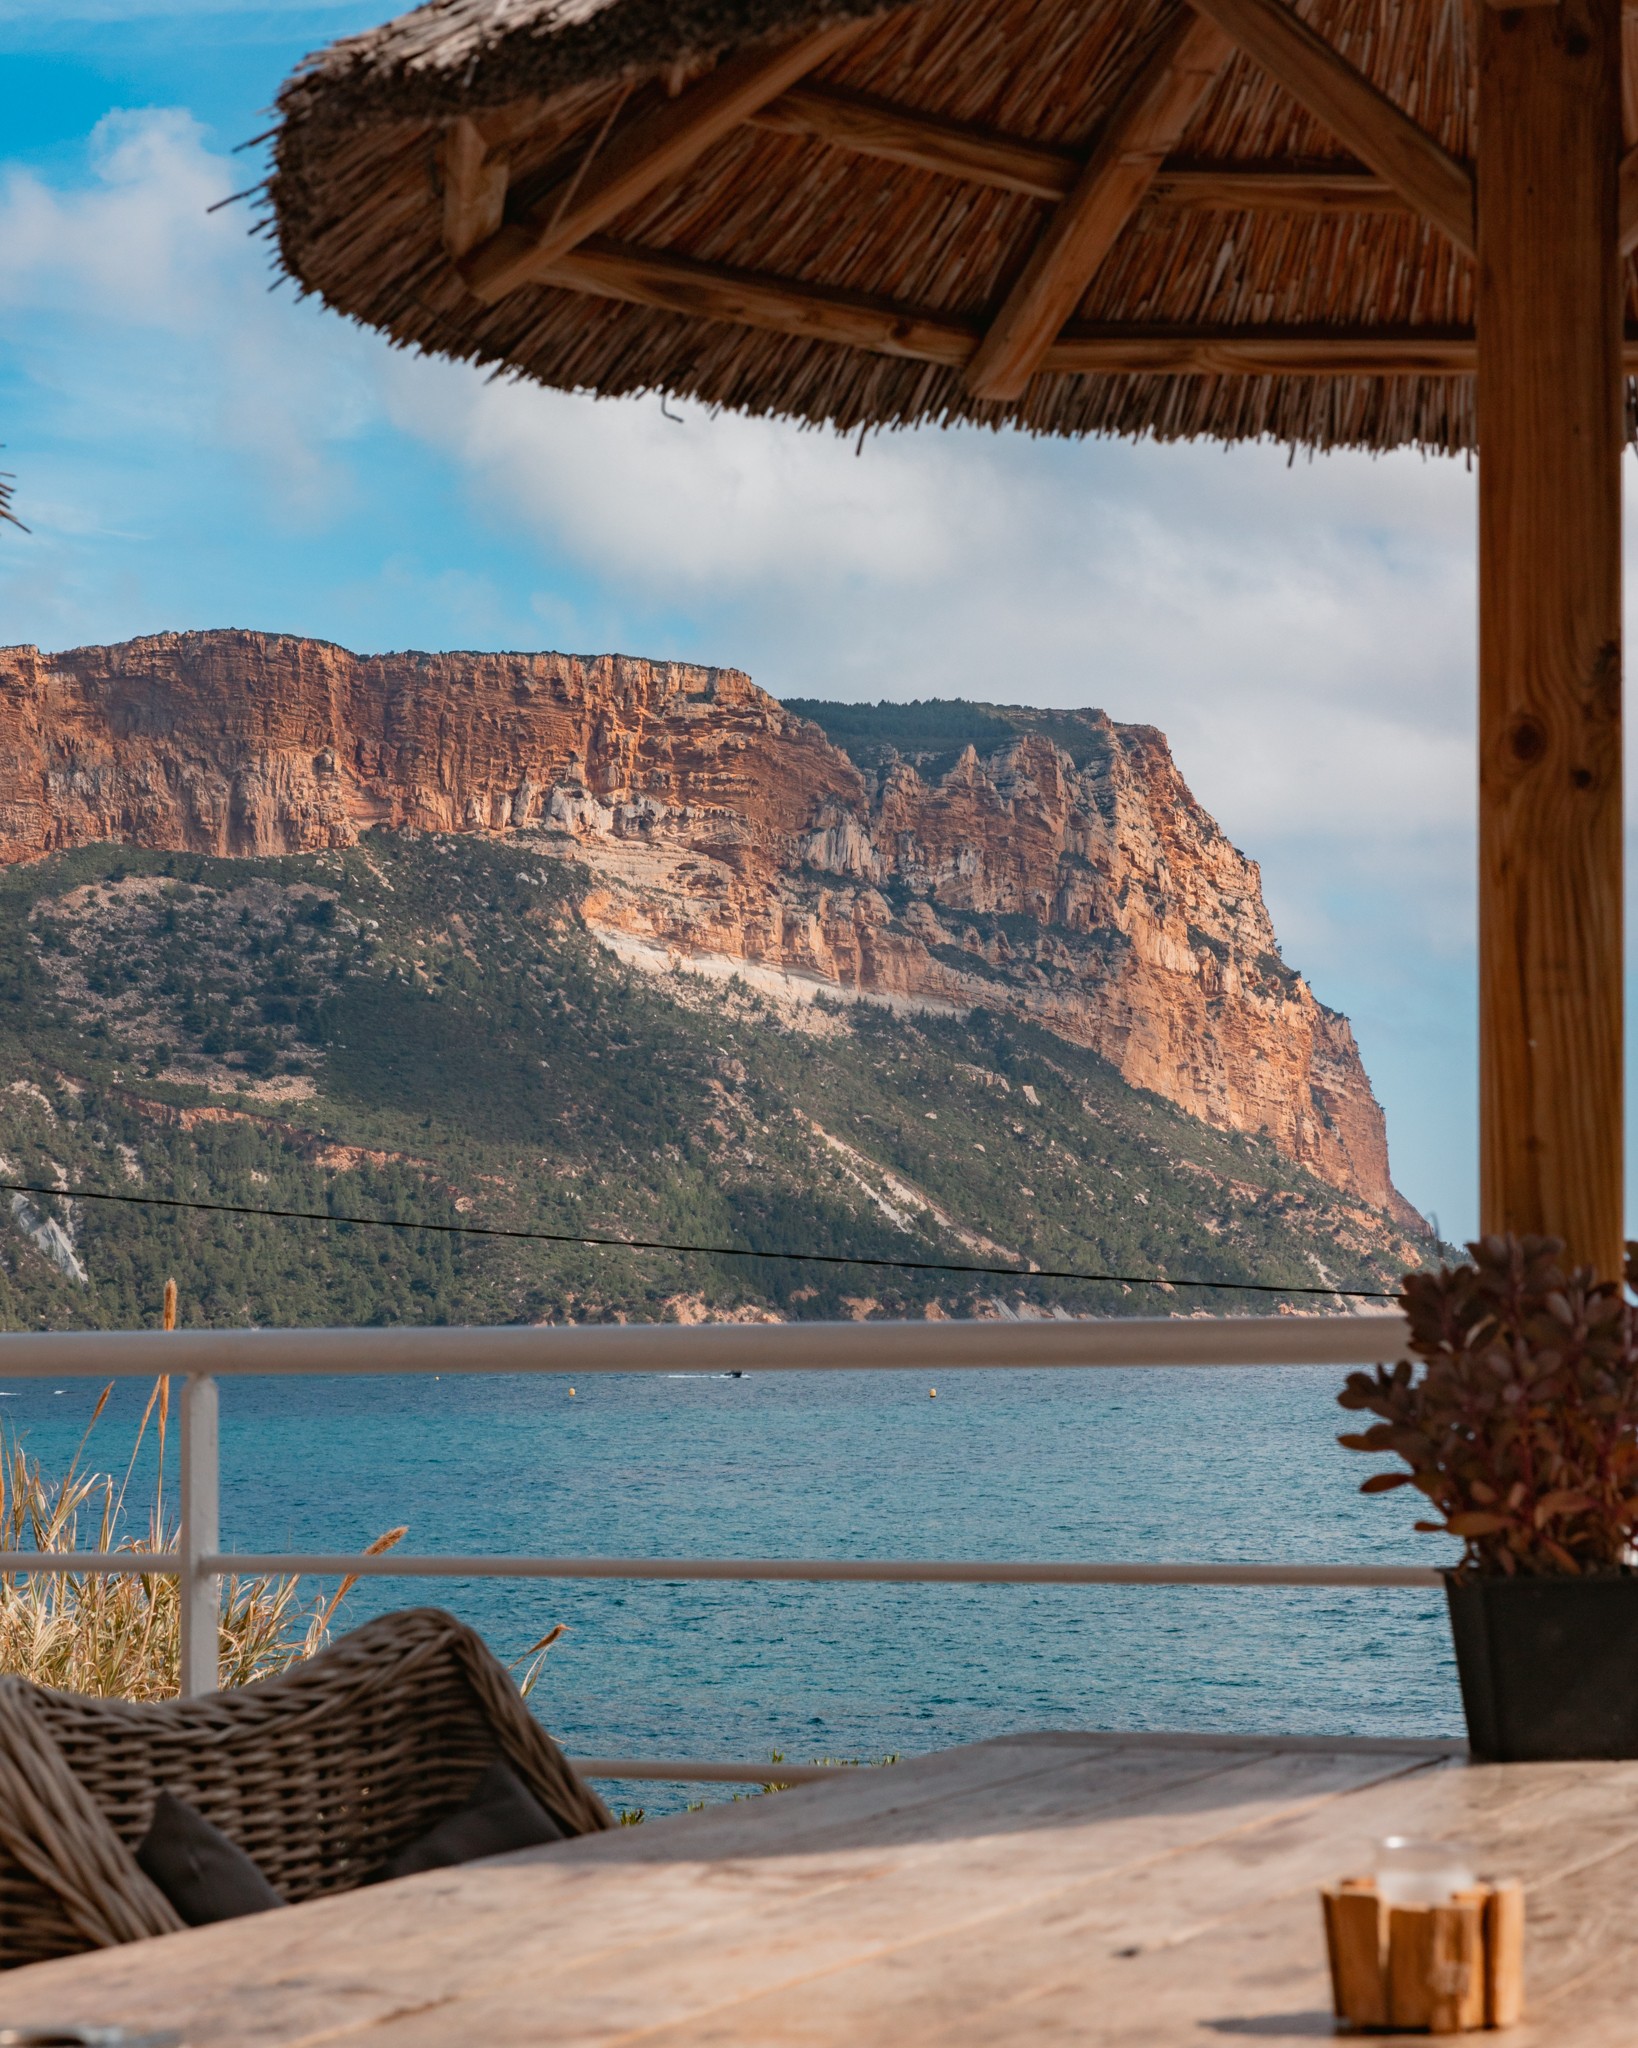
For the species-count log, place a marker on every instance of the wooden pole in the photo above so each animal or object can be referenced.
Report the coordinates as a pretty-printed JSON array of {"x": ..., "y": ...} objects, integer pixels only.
[{"x": 1550, "y": 415}]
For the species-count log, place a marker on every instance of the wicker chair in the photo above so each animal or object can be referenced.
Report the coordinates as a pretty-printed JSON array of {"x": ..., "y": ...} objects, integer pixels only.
[{"x": 321, "y": 1774}]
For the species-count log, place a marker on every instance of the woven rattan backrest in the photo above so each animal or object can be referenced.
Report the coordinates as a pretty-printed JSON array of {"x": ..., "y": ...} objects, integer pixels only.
[{"x": 321, "y": 1775}]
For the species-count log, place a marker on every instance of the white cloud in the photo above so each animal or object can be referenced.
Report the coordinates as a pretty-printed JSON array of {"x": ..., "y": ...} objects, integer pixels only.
[
  {"x": 141, "y": 323},
  {"x": 118, "y": 246},
  {"x": 699, "y": 504}
]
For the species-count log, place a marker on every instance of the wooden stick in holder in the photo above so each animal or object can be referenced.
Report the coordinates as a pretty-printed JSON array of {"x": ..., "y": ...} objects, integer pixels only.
[{"x": 1447, "y": 1969}]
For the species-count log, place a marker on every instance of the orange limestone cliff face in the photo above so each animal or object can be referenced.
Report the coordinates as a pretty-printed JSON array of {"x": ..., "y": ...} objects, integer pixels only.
[{"x": 1060, "y": 871}]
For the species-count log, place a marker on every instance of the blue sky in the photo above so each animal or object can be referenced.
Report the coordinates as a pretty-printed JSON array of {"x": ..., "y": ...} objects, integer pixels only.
[{"x": 193, "y": 450}]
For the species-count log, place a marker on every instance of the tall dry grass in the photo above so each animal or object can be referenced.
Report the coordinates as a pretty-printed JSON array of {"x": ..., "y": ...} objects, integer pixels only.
[{"x": 121, "y": 1637}]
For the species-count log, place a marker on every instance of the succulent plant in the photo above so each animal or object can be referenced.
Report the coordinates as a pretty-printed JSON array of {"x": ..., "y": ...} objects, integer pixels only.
[{"x": 1521, "y": 1426}]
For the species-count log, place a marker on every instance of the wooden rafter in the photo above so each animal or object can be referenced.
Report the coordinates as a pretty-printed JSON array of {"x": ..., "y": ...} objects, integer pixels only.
[
  {"x": 640, "y": 155},
  {"x": 872, "y": 127},
  {"x": 474, "y": 162},
  {"x": 713, "y": 291},
  {"x": 748, "y": 298},
  {"x": 475, "y": 179},
  {"x": 1212, "y": 351},
  {"x": 1229, "y": 188},
  {"x": 1144, "y": 128},
  {"x": 1378, "y": 132},
  {"x": 865, "y": 126}
]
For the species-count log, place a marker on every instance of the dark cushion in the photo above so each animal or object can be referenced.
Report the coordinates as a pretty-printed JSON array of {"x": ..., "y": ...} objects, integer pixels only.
[
  {"x": 500, "y": 1814},
  {"x": 204, "y": 1875}
]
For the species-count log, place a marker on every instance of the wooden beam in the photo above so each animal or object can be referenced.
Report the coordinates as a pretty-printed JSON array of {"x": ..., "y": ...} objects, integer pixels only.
[
  {"x": 872, "y": 127},
  {"x": 1262, "y": 352},
  {"x": 640, "y": 156},
  {"x": 1232, "y": 189},
  {"x": 1363, "y": 119},
  {"x": 748, "y": 298},
  {"x": 864, "y": 126},
  {"x": 475, "y": 181},
  {"x": 475, "y": 162},
  {"x": 1551, "y": 420},
  {"x": 1136, "y": 140},
  {"x": 745, "y": 298}
]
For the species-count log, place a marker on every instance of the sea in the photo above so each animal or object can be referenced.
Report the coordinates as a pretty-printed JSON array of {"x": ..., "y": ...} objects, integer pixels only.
[{"x": 1231, "y": 1464}]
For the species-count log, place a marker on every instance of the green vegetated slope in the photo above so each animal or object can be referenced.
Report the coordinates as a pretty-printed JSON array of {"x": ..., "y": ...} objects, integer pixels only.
[
  {"x": 932, "y": 732},
  {"x": 421, "y": 1028}
]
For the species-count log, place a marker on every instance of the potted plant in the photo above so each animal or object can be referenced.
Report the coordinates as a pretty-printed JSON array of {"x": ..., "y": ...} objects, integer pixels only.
[{"x": 1521, "y": 1428}]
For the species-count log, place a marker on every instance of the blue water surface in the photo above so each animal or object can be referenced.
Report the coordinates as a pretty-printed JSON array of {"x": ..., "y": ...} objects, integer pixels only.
[{"x": 1178, "y": 1465}]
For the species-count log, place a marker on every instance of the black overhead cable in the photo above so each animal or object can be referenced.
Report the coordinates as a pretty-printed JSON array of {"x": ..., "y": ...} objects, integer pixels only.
[{"x": 712, "y": 1251}]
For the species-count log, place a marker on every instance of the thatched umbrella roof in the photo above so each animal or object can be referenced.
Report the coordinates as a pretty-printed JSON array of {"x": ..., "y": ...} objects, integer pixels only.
[{"x": 1079, "y": 216}]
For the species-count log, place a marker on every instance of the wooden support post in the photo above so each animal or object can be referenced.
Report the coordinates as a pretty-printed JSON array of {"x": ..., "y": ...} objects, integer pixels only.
[
  {"x": 1629, "y": 131},
  {"x": 1550, "y": 406}
]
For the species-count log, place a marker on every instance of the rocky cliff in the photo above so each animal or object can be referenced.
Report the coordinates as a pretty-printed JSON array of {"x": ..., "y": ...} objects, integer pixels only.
[{"x": 1053, "y": 866}]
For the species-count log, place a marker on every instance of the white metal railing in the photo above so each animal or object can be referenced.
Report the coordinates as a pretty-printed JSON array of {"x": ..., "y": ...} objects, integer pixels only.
[
  {"x": 1104, "y": 1341},
  {"x": 203, "y": 1357}
]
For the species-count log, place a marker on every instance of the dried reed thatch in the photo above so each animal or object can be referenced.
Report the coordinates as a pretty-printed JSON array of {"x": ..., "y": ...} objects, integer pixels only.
[{"x": 836, "y": 255}]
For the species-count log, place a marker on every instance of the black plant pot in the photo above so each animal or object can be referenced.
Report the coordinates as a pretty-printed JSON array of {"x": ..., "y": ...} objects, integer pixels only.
[{"x": 1549, "y": 1667}]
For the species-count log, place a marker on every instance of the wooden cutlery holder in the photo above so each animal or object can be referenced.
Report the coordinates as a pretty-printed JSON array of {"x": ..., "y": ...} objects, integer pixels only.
[{"x": 1447, "y": 1969}]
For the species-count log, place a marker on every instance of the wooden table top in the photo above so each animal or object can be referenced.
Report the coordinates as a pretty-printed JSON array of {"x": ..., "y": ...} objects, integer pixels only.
[{"x": 1050, "y": 1888}]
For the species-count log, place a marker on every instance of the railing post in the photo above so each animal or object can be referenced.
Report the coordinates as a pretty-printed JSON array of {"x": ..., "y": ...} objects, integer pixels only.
[{"x": 200, "y": 1536}]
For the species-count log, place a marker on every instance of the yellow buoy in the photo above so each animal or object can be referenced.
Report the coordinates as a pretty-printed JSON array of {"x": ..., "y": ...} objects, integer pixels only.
[
  {"x": 571, "y": 1393},
  {"x": 932, "y": 1393}
]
